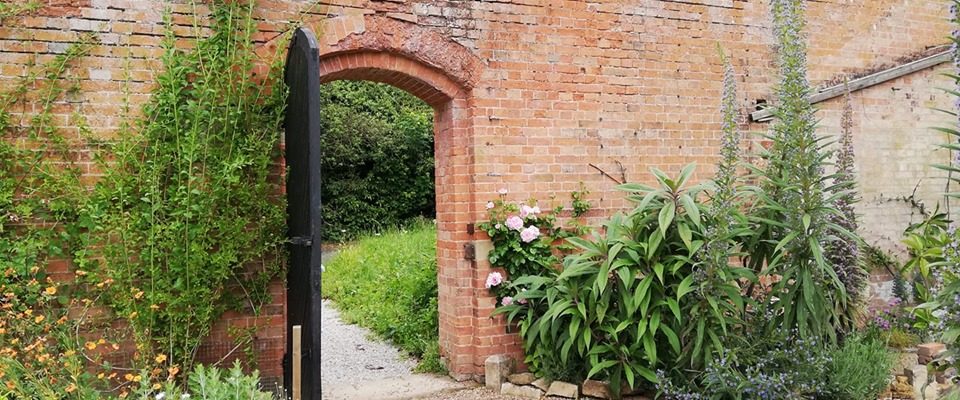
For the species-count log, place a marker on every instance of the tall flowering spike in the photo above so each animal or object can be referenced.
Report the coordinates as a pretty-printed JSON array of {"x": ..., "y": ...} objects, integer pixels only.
[
  {"x": 844, "y": 253},
  {"x": 955, "y": 46},
  {"x": 794, "y": 187},
  {"x": 729, "y": 143}
]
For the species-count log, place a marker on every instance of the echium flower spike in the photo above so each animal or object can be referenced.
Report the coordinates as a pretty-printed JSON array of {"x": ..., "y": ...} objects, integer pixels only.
[
  {"x": 794, "y": 186},
  {"x": 844, "y": 253},
  {"x": 729, "y": 145},
  {"x": 955, "y": 47}
]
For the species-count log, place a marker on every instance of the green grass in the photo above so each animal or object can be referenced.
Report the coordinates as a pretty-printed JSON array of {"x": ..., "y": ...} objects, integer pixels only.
[{"x": 388, "y": 283}]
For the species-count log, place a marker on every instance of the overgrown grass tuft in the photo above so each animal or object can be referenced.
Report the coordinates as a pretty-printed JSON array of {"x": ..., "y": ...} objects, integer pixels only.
[{"x": 388, "y": 283}]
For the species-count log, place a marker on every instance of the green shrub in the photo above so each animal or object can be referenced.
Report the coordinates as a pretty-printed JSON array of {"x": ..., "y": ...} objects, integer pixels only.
[
  {"x": 206, "y": 383},
  {"x": 860, "y": 369},
  {"x": 388, "y": 283},
  {"x": 377, "y": 159},
  {"x": 632, "y": 301}
]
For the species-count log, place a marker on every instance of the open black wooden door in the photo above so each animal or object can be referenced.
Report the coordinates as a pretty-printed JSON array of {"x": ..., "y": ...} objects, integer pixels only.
[{"x": 302, "y": 139}]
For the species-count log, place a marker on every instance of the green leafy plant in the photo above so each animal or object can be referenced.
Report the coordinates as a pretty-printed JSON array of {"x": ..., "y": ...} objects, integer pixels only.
[
  {"x": 859, "y": 370},
  {"x": 775, "y": 365},
  {"x": 208, "y": 383},
  {"x": 618, "y": 310},
  {"x": 377, "y": 158},
  {"x": 186, "y": 225}
]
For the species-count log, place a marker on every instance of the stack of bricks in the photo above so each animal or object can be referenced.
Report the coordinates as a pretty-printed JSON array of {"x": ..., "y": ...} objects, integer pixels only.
[{"x": 913, "y": 379}]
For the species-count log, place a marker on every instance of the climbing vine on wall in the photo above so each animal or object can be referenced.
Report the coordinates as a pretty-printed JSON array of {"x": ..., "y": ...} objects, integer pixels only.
[{"x": 187, "y": 222}]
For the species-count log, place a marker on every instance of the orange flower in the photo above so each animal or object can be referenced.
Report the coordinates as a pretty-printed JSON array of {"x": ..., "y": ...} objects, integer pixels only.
[
  {"x": 50, "y": 290},
  {"x": 90, "y": 345},
  {"x": 128, "y": 377},
  {"x": 38, "y": 319},
  {"x": 71, "y": 388}
]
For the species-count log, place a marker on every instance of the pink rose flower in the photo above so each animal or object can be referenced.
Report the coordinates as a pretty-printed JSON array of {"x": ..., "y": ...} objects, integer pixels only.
[
  {"x": 490, "y": 205},
  {"x": 526, "y": 210},
  {"x": 507, "y": 301},
  {"x": 530, "y": 234},
  {"x": 514, "y": 222},
  {"x": 494, "y": 279}
]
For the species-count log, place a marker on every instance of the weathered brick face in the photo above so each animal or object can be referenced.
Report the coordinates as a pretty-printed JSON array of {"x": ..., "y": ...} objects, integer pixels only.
[{"x": 534, "y": 96}]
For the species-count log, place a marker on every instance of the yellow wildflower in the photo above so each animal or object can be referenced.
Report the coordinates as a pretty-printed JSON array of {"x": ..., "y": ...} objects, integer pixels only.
[
  {"x": 51, "y": 290},
  {"x": 71, "y": 388},
  {"x": 160, "y": 358},
  {"x": 90, "y": 345},
  {"x": 38, "y": 319}
]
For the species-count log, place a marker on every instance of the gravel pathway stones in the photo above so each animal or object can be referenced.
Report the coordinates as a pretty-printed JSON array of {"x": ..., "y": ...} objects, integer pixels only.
[{"x": 354, "y": 367}]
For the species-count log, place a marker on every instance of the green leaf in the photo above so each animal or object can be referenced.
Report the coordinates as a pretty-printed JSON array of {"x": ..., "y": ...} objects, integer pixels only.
[
  {"x": 686, "y": 286},
  {"x": 600, "y": 367},
  {"x": 665, "y": 217},
  {"x": 672, "y": 338},
  {"x": 690, "y": 207},
  {"x": 685, "y": 234}
]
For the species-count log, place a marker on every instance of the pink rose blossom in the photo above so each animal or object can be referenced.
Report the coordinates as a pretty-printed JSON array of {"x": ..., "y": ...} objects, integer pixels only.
[
  {"x": 522, "y": 301},
  {"x": 490, "y": 205},
  {"x": 524, "y": 211},
  {"x": 507, "y": 301},
  {"x": 530, "y": 234},
  {"x": 514, "y": 222},
  {"x": 494, "y": 279}
]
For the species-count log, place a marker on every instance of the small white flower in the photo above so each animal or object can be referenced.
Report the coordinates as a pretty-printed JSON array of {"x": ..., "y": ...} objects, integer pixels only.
[
  {"x": 185, "y": 396},
  {"x": 502, "y": 191},
  {"x": 160, "y": 396},
  {"x": 490, "y": 205}
]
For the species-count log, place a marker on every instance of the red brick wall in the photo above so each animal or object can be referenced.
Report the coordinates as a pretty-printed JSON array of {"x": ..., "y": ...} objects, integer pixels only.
[{"x": 528, "y": 93}]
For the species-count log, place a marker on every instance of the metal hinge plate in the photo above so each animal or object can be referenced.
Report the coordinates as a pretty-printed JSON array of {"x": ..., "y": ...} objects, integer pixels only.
[{"x": 301, "y": 241}]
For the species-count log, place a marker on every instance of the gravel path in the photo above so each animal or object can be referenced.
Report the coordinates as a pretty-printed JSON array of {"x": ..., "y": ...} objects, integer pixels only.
[
  {"x": 349, "y": 356},
  {"x": 355, "y": 366}
]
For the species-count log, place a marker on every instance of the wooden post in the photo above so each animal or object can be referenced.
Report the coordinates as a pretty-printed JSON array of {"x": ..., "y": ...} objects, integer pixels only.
[{"x": 297, "y": 355}]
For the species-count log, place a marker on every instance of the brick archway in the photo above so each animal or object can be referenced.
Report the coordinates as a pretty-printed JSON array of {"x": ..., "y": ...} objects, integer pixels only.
[{"x": 442, "y": 73}]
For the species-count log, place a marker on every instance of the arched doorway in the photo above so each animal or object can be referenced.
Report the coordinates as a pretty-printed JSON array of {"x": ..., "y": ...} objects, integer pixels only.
[{"x": 442, "y": 74}]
